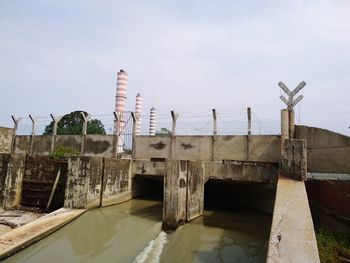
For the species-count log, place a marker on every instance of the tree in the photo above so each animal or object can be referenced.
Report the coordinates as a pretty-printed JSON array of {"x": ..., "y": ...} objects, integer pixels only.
[{"x": 72, "y": 123}]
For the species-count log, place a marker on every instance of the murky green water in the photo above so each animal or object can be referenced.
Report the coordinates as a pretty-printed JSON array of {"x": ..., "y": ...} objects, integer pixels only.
[{"x": 131, "y": 232}]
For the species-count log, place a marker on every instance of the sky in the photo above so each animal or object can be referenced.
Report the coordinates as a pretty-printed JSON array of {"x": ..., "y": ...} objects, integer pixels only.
[{"x": 188, "y": 56}]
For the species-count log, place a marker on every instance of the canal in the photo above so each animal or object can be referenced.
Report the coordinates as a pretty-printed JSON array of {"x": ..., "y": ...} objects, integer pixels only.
[{"x": 131, "y": 232}]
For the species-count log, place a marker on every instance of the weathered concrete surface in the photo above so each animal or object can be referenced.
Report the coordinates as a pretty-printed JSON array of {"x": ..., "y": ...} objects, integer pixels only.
[
  {"x": 94, "y": 145},
  {"x": 4, "y": 165},
  {"x": 249, "y": 172},
  {"x": 192, "y": 147},
  {"x": 99, "y": 145},
  {"x": 237, "y": 171},
  {"x": 116, "y": 181},
  {"x": 22, "y": 144},
  {"x": 230, "y": 147},
  {"x": 72, "y": 141},
  {"x": 147, "y": 147},
  {"x": 264, "y": 148},
  {"x": 327, "y": 151},
  {"x": 146, "y": 167},
  {"x": 195, "y": 190},
  {"x": 292, "y": 237},
  {"x": 24, "y": 236},
  {"x": 84, "y": 180},
  {"x": 175, "y": 188},
  {"x": 258, "y": 148},
  {"x": 294, "y": 159},
  {"x": 13, "y": 183},
  {"x": 42, "y": 144},
  {"x": 6, "y": 135}
]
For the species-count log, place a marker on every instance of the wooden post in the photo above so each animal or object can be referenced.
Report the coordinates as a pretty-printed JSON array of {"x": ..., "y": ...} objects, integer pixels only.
[
  {"x": 249, "y": 121},
  {"x": 32, "y": 134},
  {"x": 215, "y": 127},
  {"x": 54, "y": 188}
]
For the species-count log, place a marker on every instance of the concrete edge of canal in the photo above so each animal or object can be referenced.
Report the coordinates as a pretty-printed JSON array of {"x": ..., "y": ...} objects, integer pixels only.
[{"x": 24, "y": 236}]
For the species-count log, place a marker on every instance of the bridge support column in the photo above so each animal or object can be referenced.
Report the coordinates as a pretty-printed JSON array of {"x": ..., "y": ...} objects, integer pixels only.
[{"x": 175, "y": 194}]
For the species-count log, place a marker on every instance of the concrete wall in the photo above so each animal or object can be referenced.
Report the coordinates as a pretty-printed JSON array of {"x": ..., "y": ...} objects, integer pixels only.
[
  {"x": 95, "y": 145},
  {"x": 5, "y": 139},
  {"x": 257, "y": 148},
  {"x": 12, "y": 189},
  {"x": 4, "y": 164},
  {"x": 101, "y": 145},
  {"x": 97, "y": 181},
  {"x": 84, "y": 180},
  {"x": 116, "y": 181},
  {"x": 327, "y": 151}
]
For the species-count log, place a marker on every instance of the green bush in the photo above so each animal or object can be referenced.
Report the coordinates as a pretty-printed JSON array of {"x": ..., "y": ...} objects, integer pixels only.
[
  {"x": 64, "y": 152},
  {"x": 332, "y": 247}
]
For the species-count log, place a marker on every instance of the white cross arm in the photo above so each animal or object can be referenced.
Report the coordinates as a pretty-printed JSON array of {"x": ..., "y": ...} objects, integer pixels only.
[
  {"x": 284, "y": 100},
  {"x": 298, "y": 88},
  {"x": 297, "y": 100},
  {"x": 284, "y": 87}
]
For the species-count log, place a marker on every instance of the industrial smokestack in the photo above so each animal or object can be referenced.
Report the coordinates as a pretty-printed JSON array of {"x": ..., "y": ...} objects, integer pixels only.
[
  {"x": 120, "y": 98},
  {"x": 152, "y": 122},
  {"x": 120, "y": 104},
  {"x": 138, "y": 110}
]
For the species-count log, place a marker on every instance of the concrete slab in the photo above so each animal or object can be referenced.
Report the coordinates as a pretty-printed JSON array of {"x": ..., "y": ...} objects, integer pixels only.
[
  {"x": 24, "y": 236},
  {"x": 292, "y": 237}
]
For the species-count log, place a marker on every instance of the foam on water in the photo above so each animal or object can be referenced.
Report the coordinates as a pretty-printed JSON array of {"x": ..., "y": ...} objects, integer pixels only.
[{"x": 151, "y": 254}]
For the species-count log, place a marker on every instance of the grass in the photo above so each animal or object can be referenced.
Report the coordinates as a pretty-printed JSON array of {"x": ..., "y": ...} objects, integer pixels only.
[{"x": 333, "y": 248}]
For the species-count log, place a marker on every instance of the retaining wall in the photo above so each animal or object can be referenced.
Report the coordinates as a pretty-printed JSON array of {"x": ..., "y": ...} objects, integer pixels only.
[
  {"x": 94, "y": 145},
  {"x": 255, "y": 148},
  {"x": 327, "y": 151}
]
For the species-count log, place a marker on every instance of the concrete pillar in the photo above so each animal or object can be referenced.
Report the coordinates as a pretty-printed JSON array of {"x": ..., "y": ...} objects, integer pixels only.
[
  {"x": 195, "y": 189},
  {"x": 284, "y": 124},
  {"x": 175, "y": 187},
  {"x": 291, "y": 123}
]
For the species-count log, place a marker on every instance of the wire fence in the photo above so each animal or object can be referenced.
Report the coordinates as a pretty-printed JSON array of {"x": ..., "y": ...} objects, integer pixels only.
[{"x": 229, "y": 122}]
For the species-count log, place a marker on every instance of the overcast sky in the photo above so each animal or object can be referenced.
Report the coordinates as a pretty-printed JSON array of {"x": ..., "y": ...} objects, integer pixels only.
[{"x": 190, "y": 56}]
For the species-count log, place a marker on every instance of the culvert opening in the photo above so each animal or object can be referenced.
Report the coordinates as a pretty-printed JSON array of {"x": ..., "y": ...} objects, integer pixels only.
[
  {"x": 231, "y": 195},
  {"x": 148, "y": 187}
]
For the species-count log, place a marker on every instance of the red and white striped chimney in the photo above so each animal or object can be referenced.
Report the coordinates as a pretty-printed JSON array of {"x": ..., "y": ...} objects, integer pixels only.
[
  {"x": 120, "y": 105},
  {"x": 138, "y": 110}
]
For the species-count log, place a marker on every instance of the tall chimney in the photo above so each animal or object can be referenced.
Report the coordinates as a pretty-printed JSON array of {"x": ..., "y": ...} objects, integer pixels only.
[
  {"x": 138, "y": 110},
  {"x": 152, "y": 122},
  {"x": 120, "y": 104}
]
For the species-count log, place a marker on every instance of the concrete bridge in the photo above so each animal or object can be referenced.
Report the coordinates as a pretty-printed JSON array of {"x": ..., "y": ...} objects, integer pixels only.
[{"x": 184, "y": 164}]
